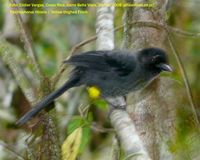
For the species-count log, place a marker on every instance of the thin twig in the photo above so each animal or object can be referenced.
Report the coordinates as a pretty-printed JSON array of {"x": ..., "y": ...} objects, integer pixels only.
[
  {"x": 184, "y": 33},
  {"x": 76, "y": 47},
  {"x": 185, "y": 79},
  {"x": 101, "y": 129},
  {"x": 132, "y": 155},
  {"x": 90, "y": 39},
  {"x": 115, "y": 149},
  {"x": 8, "y": 147},
  {"x": 166, "y": 27},
  {"x": 26, "y": 37},
  {"x": 72, "y": 51}
]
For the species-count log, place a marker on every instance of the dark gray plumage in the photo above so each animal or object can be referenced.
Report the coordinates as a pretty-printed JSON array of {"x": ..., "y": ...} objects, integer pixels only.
[{"x": 115, "y": 73}]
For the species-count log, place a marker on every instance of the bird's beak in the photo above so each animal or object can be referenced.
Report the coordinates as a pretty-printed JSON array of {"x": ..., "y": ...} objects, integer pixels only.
[{"x": 165, "y": 67}]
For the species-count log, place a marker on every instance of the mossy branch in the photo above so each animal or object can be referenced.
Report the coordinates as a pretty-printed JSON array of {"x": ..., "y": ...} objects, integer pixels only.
[{"x": 7, "y": 53}]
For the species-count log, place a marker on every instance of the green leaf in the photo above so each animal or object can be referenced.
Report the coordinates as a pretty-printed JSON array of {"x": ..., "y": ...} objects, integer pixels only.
[
  {"x": 86, "y": 134},
  {"x": 101, "y": 104},
  {"x": 84, "y": 124},
  {"x": 74, "y": 124}
]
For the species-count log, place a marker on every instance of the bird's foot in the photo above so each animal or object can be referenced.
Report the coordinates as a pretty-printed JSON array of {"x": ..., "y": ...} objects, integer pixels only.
[{"x": 117, "y": 102}]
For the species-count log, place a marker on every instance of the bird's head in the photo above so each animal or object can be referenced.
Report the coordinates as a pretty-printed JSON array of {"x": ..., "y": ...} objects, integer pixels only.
[{"x": 154, "y": 60}]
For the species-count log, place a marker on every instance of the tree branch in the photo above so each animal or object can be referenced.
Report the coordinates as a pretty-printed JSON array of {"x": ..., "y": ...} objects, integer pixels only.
[
  {"x": 120, "y": 120},
  {"x": 7, "y": 53},
  {"x": 128, "y": 135},
  {"x": 28, "y": 45}
]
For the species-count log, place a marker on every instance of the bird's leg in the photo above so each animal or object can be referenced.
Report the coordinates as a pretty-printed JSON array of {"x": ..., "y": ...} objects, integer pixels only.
[{"x": 117, "y": 102}]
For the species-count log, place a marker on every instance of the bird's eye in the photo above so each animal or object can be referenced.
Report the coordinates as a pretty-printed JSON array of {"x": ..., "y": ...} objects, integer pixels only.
[{"x": 154, "y": 58}]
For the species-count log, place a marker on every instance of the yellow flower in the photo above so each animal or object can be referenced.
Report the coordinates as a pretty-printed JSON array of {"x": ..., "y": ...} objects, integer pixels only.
[{"x": 93, "y": 92}]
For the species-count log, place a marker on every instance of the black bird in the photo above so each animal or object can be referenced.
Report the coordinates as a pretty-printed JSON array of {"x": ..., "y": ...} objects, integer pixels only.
[{"x": 114, "y": 73}]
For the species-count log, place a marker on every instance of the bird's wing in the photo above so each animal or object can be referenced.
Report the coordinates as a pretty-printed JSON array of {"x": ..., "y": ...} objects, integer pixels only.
[
  {"x": 106, "y": 61},
  {"x": 92, "y": 59}
]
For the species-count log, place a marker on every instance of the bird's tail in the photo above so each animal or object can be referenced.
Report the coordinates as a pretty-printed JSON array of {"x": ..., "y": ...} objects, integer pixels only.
[{"x": 47, "y": 100}]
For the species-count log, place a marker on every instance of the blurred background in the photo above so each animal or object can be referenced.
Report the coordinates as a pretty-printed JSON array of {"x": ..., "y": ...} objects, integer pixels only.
[{"x": 53, "y": 37}]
